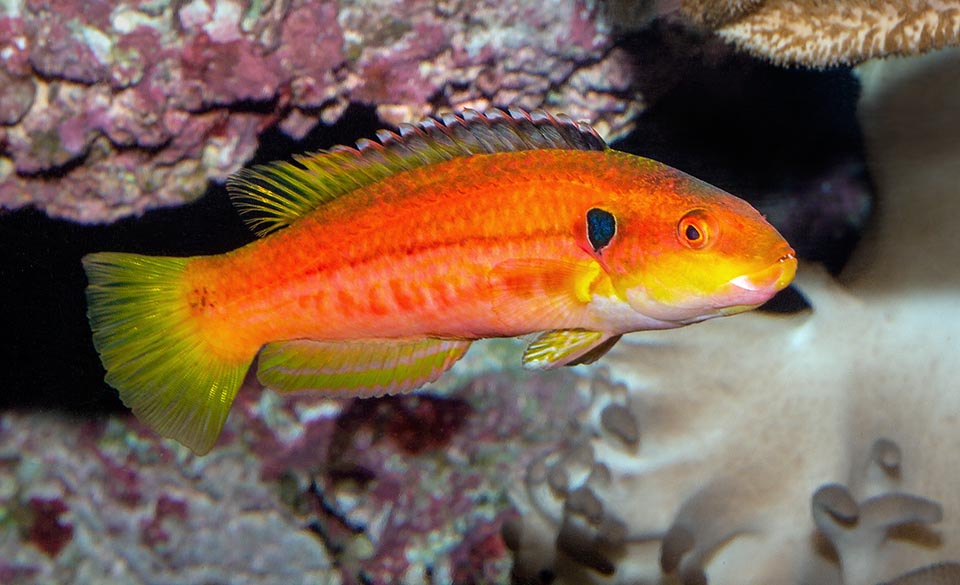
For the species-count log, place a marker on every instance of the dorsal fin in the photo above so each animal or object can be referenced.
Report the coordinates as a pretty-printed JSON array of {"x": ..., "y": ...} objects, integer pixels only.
[{"x": 275, "y": 195}]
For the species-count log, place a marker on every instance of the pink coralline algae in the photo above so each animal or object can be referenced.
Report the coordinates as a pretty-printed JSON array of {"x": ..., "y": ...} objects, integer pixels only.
[
  {"x": 299, "y": 489},
  {"x": 111, "y": 108},
  {"x": 47, "y": 530}
]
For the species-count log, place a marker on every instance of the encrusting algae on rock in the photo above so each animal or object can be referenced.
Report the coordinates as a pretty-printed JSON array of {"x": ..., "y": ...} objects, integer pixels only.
[{"x": 394, "y": 256}]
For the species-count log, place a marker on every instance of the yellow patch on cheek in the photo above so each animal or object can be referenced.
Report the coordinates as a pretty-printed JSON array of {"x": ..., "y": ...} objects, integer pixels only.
[
  {"x": 684, "y": 278},
  {"x": 598, "y": 283},
  {"x": 660, "y": 291},
  {"x": 584, "y": 283},
  {"x": 667, "y": 282}
]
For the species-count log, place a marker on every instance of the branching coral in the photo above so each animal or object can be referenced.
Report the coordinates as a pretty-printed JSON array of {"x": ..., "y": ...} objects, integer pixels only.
[
  {"x": 819, "y": 33},
  {"x": 561, "y": 490},
  {"x": 811, "y": 448},
  {"x": 857, "y": 531}
]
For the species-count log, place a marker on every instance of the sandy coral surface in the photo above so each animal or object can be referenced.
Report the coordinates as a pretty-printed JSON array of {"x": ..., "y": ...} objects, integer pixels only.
[{"x": 810, "y": 448}]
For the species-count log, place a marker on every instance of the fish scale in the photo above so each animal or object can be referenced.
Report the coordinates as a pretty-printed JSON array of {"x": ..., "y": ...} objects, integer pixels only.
[{"x": 359, "y": 254}]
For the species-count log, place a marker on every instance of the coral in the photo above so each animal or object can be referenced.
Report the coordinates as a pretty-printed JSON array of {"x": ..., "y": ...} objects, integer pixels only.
[
  {"x": 400, "y": 504},
  {"x": 188, "y": 521},
  {"x": 111, "y": 108},
  {"x": 300, "y": 489},
  {"x": 756, "y": 433},
  {"x": 716, "y": 12},
  {"x": 815, "y": 33},
  {"x": 936, "y": 574},
  {"x": 857, "y": 530}
]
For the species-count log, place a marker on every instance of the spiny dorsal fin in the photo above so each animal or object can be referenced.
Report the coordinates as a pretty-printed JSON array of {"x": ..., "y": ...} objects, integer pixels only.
[{"x": 275, "y": 195}]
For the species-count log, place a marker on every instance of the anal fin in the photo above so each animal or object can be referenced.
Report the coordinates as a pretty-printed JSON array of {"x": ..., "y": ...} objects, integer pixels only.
[{"x": 356, "y": 368}]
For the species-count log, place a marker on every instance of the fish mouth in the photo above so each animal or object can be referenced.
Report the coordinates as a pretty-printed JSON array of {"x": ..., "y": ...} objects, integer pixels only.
[
  {"x": 774, "y": 277},
  {"x": 756, "y": 288}
]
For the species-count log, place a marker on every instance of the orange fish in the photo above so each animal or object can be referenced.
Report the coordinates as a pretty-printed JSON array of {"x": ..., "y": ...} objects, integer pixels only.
[{"x": 380, "y": 264}]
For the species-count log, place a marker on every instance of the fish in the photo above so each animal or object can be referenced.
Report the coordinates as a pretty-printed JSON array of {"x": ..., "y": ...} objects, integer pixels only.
[{"x": 378, "y": 265}]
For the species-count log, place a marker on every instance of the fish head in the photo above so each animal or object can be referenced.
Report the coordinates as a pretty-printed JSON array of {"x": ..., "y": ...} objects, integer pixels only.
[{"x": 683, "y": 251}]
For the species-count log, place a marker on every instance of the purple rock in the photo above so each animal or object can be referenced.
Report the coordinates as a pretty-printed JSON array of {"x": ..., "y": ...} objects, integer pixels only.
[
  {"x": 300, "y": 489},
  {"x": 14, "y": 46},
  {"x": 16, "y": 97},
  {"x": 311, "y": 42},
  {"x": 70, "y": 40},
  {"x": 50, "y": 137},
  {"x": 226, "y": 73},
  {"x": 108, "y": 109}
]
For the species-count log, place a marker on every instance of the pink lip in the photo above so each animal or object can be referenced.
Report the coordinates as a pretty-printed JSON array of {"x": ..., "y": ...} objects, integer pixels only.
[{"x": 757, "y": 287}]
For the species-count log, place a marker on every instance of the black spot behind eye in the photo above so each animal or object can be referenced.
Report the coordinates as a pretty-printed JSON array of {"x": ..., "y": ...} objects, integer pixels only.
[{"x": 601, "y": 226}]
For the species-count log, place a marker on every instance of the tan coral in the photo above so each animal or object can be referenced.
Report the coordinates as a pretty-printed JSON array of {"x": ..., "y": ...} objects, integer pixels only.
[
  {"x": 825, "y": 32},
  {"x": 936, "y": 574},
  {"x": 716, "y": 12}
]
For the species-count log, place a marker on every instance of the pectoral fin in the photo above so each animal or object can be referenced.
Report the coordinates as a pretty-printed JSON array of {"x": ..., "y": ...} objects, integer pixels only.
[
  {"x": 356, "y": 368},
  {"x": 567, "y": 347},
  {"x": 535, "y": 292}
]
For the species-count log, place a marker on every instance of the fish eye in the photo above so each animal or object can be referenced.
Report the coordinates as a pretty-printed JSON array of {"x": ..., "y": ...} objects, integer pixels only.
[
  {"x": 696, "y": 229},
  {"x": 601, "y": 227}
]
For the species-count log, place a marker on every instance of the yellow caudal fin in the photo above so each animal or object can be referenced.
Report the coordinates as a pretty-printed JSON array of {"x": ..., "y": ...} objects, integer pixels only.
[{"x": 149, "y": 344}]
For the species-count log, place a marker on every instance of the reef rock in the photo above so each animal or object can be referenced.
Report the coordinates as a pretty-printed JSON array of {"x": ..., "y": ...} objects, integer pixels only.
[
  {"x": 111, "y": 108},
  {"x": 299, "y": 490}
]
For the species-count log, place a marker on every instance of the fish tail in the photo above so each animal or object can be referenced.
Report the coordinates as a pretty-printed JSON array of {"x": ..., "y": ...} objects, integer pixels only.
[{"x": 153, "y": 350}]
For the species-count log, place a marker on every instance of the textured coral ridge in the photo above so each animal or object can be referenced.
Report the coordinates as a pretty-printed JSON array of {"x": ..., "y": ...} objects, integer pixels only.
[
  {"x": 300, "y": 490},
  {"x": 811, "y": 448},
  {"x": 822, "y": 33},
  {"x": 109, "y": 108}
]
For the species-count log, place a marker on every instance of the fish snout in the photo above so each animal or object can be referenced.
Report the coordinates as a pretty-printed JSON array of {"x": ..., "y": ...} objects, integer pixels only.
[{"x": 766, "y": 282}]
